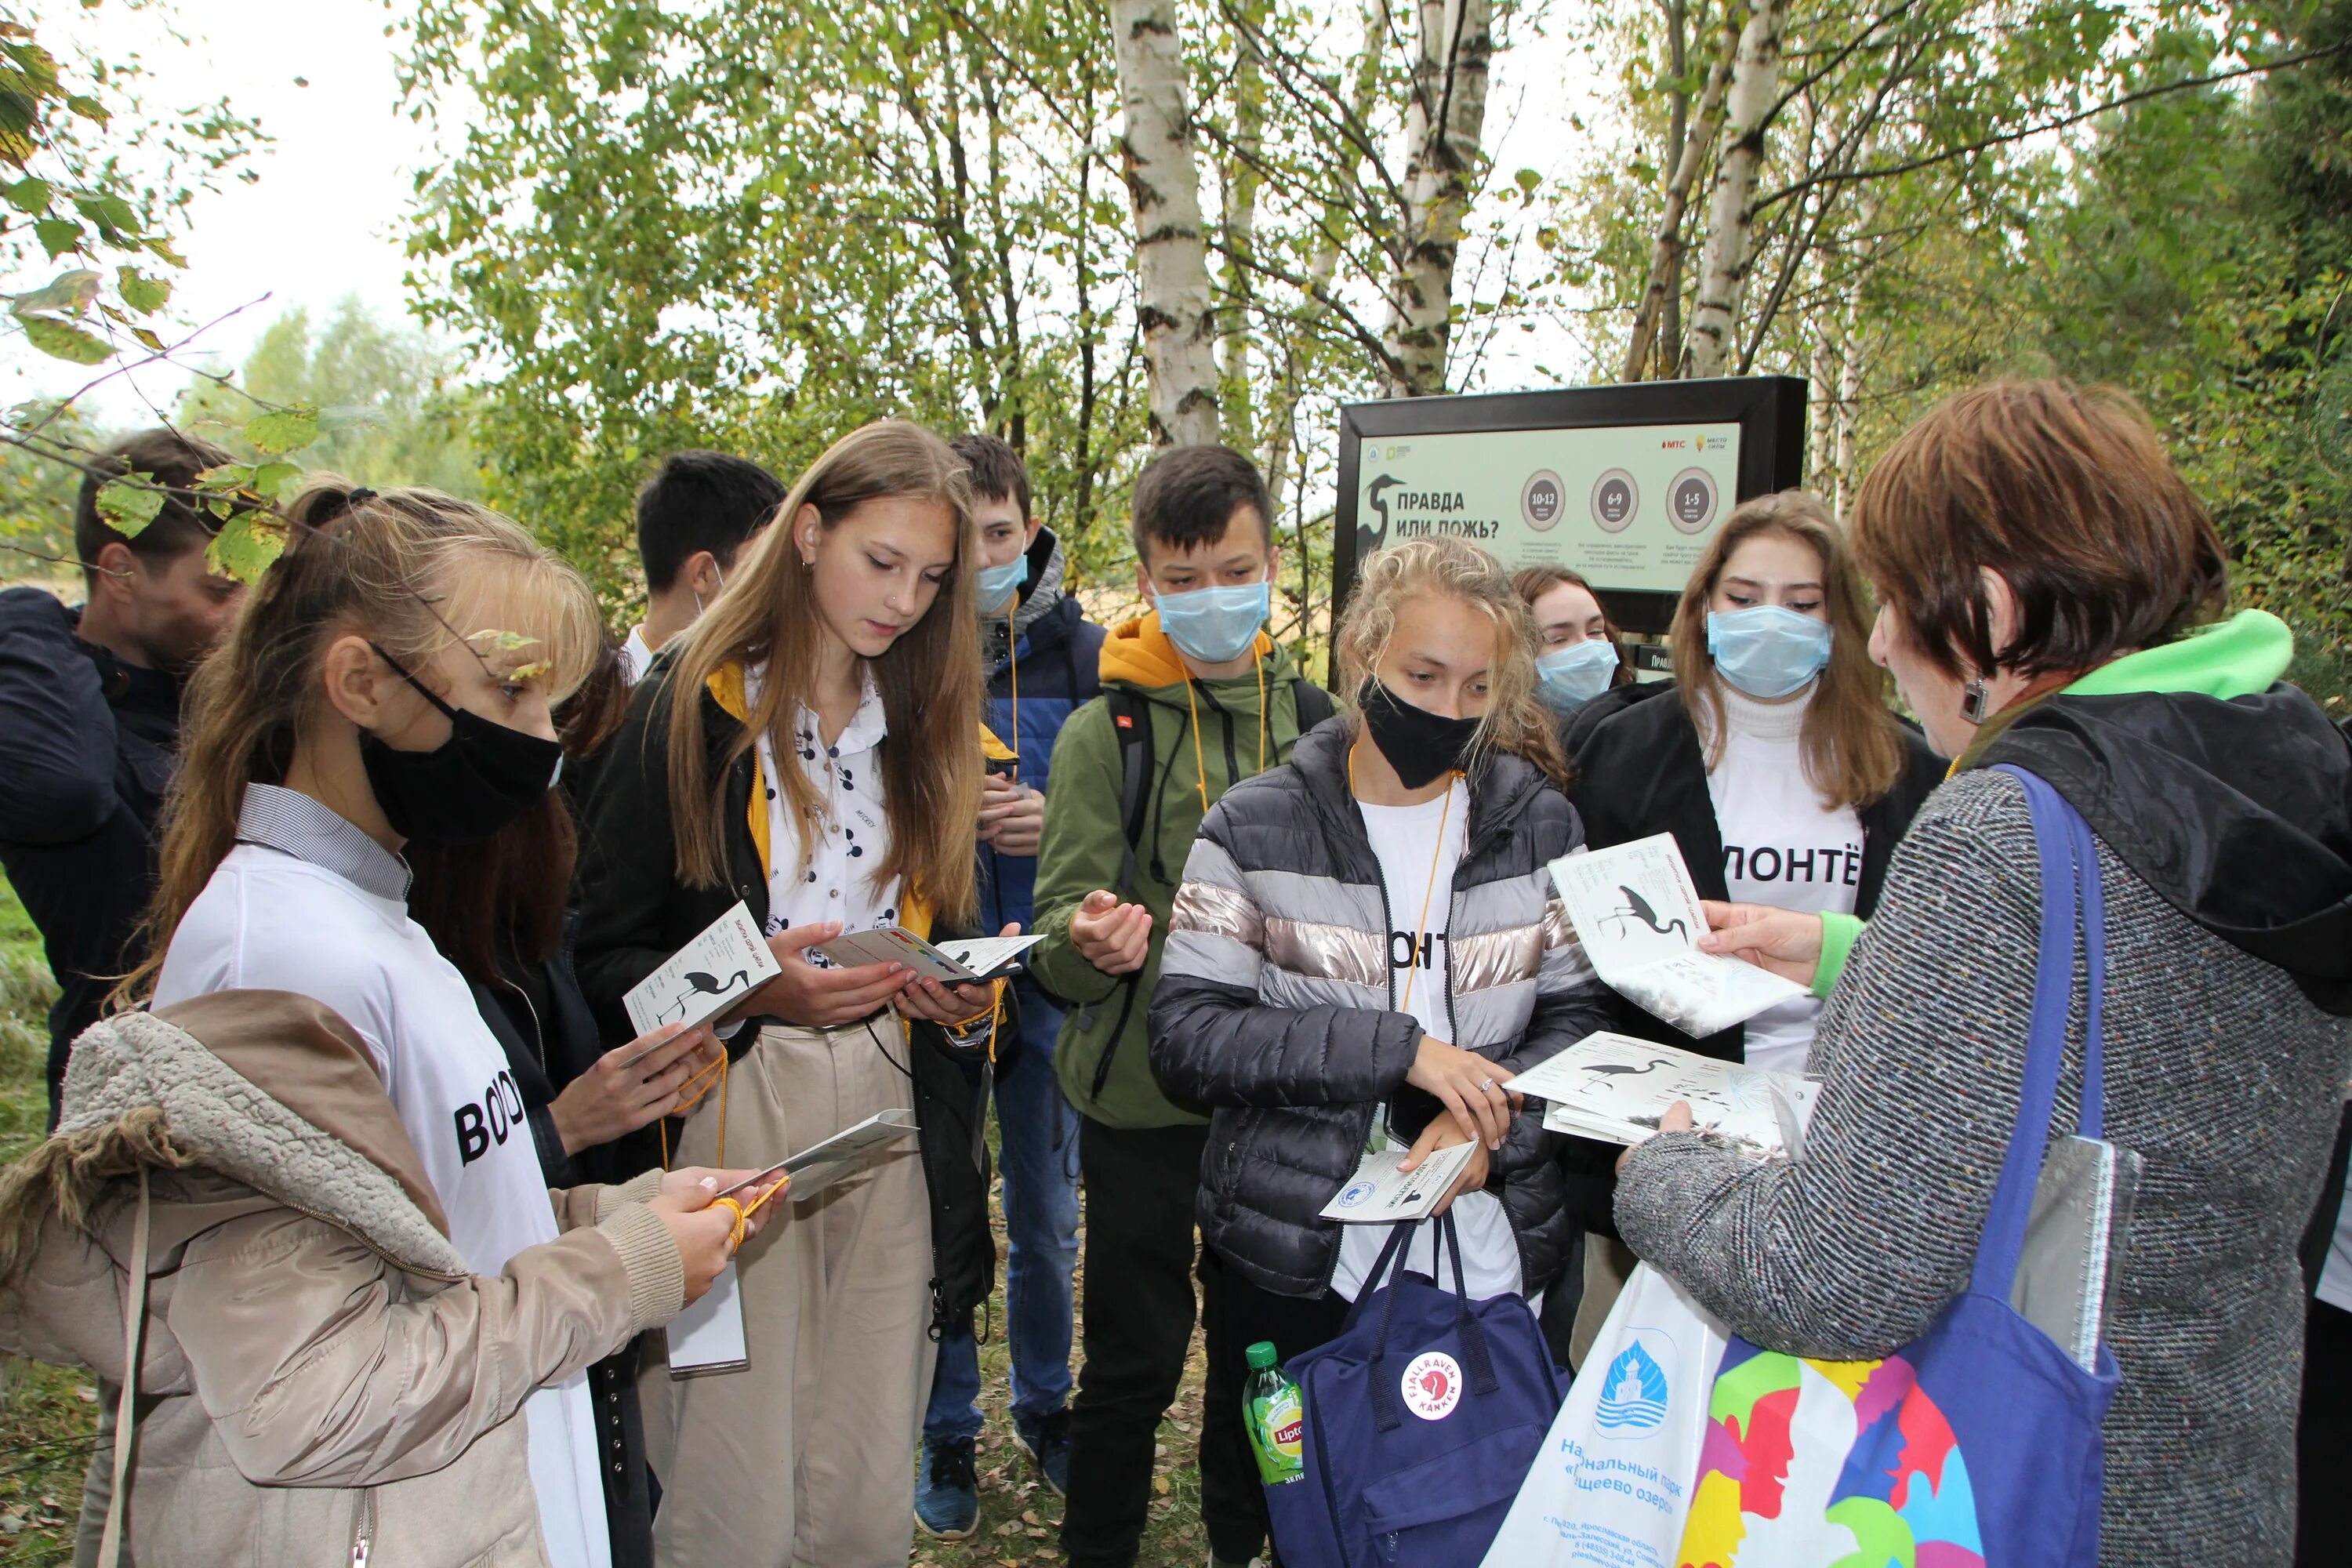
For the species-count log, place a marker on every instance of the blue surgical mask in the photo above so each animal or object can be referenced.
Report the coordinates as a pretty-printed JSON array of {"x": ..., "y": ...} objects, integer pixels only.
[
  {"x": 1215, "y": 626},
  {"x": 995, "y": 582},
  {"x": 1569, "y": 677},
  {"x": 1767, "y": 651}
]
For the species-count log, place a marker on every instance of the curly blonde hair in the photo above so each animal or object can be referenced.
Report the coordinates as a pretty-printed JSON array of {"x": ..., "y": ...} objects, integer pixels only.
[{"x": 1516, "y": 721}]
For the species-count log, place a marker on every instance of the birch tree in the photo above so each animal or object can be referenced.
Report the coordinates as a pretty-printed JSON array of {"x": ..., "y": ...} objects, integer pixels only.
[
  {"x": 1750, "y": 104},
  {"x": 1172, "y": 300},
  {"x": 1445, "y": 118}
]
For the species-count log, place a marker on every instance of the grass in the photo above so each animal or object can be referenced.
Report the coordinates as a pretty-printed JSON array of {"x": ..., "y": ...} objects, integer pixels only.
[{"x": 48, "y": 1414}]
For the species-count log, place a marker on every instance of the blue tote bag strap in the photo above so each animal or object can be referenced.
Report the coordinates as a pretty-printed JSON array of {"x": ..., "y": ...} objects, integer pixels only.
[
  {"x": 1478, "y": 1362},
  {"x": 2070, "y": 868}
]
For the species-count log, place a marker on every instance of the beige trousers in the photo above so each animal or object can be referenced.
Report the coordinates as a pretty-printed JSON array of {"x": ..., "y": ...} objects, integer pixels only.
[
  {"x": 1608, "y": 1264},
  {"x": 806, "y": 1457}
]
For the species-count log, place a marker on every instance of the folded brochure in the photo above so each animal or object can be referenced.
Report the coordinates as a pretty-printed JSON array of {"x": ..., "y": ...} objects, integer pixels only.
[
  {"x": 708, "y": 1336},
  {"x": 705, "y": 977},
  {"x": 1616, "y": 1089},
  {"x": 960, "y": 960},
  {"x": 1378, "y": 1192},
  {"x": 1638, "y": 916}
]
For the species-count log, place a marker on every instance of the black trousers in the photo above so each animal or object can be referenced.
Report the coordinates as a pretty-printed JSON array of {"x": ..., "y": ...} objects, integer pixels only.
[
  {"x": 1136, "y": 1315},
  {"x": 2324, "y": 1437},
  {"x": 1240, "y": 1314}
]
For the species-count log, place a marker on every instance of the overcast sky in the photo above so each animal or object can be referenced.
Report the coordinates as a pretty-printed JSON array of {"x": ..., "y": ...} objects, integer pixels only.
[{"x": 323, "y": 218}]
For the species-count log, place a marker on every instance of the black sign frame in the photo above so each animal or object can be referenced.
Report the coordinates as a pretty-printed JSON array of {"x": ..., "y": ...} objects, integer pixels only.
[{"x": 1770, "y": 410}]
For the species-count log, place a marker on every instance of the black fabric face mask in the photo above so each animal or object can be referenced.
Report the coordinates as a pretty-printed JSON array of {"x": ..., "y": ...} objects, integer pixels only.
[
  {"x": 1419, "y": 744},
  {"x": 467, "y": 788}
]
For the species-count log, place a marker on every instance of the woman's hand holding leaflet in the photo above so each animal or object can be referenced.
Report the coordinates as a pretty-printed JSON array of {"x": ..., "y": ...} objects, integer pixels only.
[
  {"x": 704, "y": 1231},
  {"x": 1469, "y": 1086},
  {"x": 1443, "y": 1132},
  {"x": 817, "y": 997},
  {"x": 933, "y": 1002},
  {"x": 631, "y": 1085},
  {"x": 1783, "y": 941},
  {"x": 1677, "y": 1119}
]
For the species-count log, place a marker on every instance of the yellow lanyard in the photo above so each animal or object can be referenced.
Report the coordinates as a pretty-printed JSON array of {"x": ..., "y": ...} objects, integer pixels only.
[
  {"x": 1200, "y": 769},
  {"x": 1436, "y": 853}
]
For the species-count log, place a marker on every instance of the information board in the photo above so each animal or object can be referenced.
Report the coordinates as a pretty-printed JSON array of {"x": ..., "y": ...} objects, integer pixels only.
[{"x": 1623, "y": 484}]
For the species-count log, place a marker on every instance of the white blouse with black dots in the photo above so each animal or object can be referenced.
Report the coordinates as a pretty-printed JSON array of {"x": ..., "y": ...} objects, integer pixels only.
[{"x": 847, "y": 842}]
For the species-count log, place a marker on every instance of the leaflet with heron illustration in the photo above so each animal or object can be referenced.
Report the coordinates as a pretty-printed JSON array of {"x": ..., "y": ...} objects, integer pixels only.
[
  {"x": 1638, "y": 915},
  {"x": 705, "y": 977},
  {"x": 1616, "y": 1089}
]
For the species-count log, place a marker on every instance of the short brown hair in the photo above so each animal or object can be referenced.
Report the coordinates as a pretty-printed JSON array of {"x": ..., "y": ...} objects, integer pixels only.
[
  {"x": 1186, "y": 496},
  {"x": 2068, "y": 493},
  {"x": 996, "y": 470},
  {"x": 1851, "y": 744},
  {"x": 172, "y": 461}
]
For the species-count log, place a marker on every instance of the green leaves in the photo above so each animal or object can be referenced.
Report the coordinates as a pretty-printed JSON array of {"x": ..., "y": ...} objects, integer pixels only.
[
  {"x": 283, "y": 429},
  {"x": 67, "y": 294},
  {"x": 58, "y": 235},
  {"x": 141, "y": 293},
  {"x": 63, "y": 340},
  {"x": 246, "y": 545},
  {"x": 131, "y": 503}
]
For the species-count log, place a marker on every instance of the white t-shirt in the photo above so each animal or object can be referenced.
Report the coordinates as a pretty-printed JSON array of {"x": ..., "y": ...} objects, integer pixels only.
[
  {"x": 1417, "y": 869},
  {"x": 308, "y": 903},
  {"x": 838, "y": 882},
  {"x": 1781, "y": 847},
  {"x": 635, "y": 655}
]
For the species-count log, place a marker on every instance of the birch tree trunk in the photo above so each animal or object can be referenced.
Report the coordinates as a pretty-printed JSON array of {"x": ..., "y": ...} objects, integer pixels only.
[
  {"x": 1172, "y": 302},
  {"x": 1444, "y": 123},
  {"x": 1849, "y": 400},
  {"x": 1823, "y": 394},
  {"x": 1278, "y": 438},
  {"x": 1723, "y": 265},
  {"x": 1240, "y": 184},
  {"x": 1662, "y": 296}
]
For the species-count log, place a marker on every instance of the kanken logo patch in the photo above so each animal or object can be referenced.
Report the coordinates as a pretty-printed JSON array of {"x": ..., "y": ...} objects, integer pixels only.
[
  {"x": 1432, "y": 1385},
  {"x": 1633, "y": 1389}
]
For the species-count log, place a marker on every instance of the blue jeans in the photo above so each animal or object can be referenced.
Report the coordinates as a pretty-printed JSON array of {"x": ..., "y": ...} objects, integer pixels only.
[{"x": 1037, "y": 1135}]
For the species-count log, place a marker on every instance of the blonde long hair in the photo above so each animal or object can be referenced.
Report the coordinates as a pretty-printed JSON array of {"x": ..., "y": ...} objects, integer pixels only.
[
  {"x": 382, "y": 565},
  {"x": 1516, "y": 721},
  {"x": 929, "y": 678},
  {"x": 1851, "y": 742}
]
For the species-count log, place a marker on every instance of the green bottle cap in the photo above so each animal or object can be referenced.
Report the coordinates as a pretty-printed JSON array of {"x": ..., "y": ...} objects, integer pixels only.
[{"x": 1261, "y": 1355}]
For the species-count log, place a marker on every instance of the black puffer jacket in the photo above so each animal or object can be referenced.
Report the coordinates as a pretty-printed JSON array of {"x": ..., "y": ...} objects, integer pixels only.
[{"x": 1275, "y": 1004}]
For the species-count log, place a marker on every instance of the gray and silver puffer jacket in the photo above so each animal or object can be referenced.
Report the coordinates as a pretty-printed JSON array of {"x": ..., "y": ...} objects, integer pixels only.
[{"x": 1276, "y": 1009}]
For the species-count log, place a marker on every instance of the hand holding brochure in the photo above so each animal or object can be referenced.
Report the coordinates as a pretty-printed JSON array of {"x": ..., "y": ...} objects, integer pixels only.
[
  {"x": 1380, "y": 1193},
  {"x": 1638, "y": 915},
  {"x": 963, "y": 960},
  {"x": 705, "y": 977},
  {"x": 820, "y": 1166},
  {"x": 1616, "y": 1089}
]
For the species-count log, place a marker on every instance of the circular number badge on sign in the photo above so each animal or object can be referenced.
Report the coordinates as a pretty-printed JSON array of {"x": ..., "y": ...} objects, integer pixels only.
[
  {"x": 1540, "y": 499},
  {"x": 1614, "y": 500},
  {"x": 1432, "y": 1385},
  {"x": 1690, "y": 500}
]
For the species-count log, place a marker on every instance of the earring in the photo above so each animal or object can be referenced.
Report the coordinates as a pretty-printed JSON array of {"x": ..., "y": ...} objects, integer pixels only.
[{"x": 1974, "y": 701}]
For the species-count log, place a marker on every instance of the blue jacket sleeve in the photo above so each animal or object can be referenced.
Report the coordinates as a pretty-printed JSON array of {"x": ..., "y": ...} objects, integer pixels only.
[{"x": 57, "y": 734}]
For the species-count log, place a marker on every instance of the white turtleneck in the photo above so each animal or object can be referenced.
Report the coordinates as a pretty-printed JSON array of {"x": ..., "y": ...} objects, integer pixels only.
[{"x": 1780, "y": 845}]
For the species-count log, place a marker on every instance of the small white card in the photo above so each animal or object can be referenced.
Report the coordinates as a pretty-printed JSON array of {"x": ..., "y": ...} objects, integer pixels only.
[
  {"x": 820, "y": 1166},
  {"x": 1638, "y": 916},
  {"x": 961, "y": 961},
  {"x": 1615, "y": 1088},
  {"x": 705, "y": 977},
  {"x": 709, "y": 1335},
  {"x": 1380, "y": 1193}
]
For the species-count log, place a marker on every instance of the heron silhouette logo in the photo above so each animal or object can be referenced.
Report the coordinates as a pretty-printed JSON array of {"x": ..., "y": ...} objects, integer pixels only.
[
  {"x": 697, "y": 984},
  {"x": 1637, "y": 908},
  {"x": 1376, "y": 496}
]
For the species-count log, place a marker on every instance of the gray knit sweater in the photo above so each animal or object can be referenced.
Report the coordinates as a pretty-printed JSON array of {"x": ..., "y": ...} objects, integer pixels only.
[{"x": 2218, "y": 1071}]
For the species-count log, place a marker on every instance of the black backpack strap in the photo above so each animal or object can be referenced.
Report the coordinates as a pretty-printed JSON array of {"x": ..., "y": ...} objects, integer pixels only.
[
  {"x": 1130, "y": 719},
  {"x": 1314, "y": 703}
]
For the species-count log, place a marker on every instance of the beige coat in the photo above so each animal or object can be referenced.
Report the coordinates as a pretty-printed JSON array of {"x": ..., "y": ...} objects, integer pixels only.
[{"x": 317, "y": 1369}]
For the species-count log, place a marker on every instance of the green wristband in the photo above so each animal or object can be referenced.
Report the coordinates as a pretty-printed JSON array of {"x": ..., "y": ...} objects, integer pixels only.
[{"x": 1838, "y": 935}]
